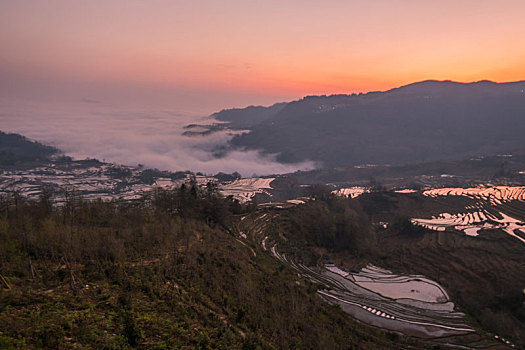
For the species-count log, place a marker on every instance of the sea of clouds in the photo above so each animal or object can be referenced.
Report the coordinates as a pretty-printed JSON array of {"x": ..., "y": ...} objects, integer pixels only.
[{"x": 131, "y": 137}]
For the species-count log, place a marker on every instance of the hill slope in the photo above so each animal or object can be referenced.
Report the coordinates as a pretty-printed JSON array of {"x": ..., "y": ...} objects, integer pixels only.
[
  {"x": 162, "y": 273},
  {"x": 424, "y": 121},
  {"x": 16, "y": 149}
]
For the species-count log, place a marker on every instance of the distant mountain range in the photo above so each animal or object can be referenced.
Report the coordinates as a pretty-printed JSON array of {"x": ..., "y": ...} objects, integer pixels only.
[{"x": 425, "y": 121}]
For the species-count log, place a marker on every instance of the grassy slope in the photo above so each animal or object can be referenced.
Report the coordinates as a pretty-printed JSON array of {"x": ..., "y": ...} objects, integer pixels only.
[{"x": 119, "y": 276}]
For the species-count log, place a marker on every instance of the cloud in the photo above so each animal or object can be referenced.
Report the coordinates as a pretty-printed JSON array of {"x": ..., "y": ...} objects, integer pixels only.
[{"x": 131, "y": 137}]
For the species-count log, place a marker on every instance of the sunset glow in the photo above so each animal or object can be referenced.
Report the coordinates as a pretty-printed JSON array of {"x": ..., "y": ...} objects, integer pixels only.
[{"x": 237, "y": 52}]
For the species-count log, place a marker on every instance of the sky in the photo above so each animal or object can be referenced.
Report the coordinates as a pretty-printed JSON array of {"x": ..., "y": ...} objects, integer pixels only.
[
  {"x": 204, "y": 55},
  {"x": 118, "y": 80}
]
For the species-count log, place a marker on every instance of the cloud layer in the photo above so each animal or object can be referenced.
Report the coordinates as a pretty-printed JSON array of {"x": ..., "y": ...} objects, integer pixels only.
[{"x": 131, "y": 137}]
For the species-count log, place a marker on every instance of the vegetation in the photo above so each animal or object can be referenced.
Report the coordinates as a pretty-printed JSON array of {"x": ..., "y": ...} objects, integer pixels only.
[
  {"x": 426, "y": 121},
  {"x": 159, "y": 273},
  {"x": 16, "y": 149},
  {"x": 329, "y": 222}
]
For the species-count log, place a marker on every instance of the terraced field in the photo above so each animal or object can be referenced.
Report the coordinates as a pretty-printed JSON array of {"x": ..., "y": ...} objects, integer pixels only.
[
  {"x": 388, "y": 301},
  {"x": 495, "y": 194},
  {"x": 245, "y": 189},
  {"x": 410, "y": 304},
  {"x": 351, "y": 192},
  {"x": 476, "y": 273},
  {"x": 499, "y": 207},
  {"x": 110, "y": 181}
]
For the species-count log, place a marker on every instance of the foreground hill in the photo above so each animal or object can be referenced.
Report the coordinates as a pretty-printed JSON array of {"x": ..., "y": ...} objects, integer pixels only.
[
  {"x": 190, "y": 269},
  {"x": 166, "y": 272},
  {"x": 424, "y": 121}
]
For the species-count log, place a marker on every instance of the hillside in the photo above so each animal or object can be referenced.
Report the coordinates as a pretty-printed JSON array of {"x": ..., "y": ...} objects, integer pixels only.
[
  {"x": 425, "y": 121},
  {"x": 165, "y": 272},
  {"x": 16, "y": 150},
  {"x": 187, "y": 267}
]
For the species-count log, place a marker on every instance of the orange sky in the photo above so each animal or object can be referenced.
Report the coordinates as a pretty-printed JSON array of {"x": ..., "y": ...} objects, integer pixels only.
[{"x": 206, "y": 55}]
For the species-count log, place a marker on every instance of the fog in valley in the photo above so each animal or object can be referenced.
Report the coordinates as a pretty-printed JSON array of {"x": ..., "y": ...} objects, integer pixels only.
[{"x": 133, "y": 136}]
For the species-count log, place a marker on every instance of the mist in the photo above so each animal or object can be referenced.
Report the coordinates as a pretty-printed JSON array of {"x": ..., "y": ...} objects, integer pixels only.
[{"x": 89, "y": 129}]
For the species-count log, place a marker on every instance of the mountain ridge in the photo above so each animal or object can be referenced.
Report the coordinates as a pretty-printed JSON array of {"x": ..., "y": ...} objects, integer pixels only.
[
  {"x": 220, "y": 115},
  {"x": 429, "y": 120}
]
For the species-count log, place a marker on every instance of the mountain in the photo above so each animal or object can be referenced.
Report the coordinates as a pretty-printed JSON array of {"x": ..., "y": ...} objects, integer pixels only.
[{"x": 425, "y": 121}]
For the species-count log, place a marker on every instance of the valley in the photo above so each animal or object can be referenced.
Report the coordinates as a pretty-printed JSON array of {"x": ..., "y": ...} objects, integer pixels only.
[{"x": 401, "y": 249}]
